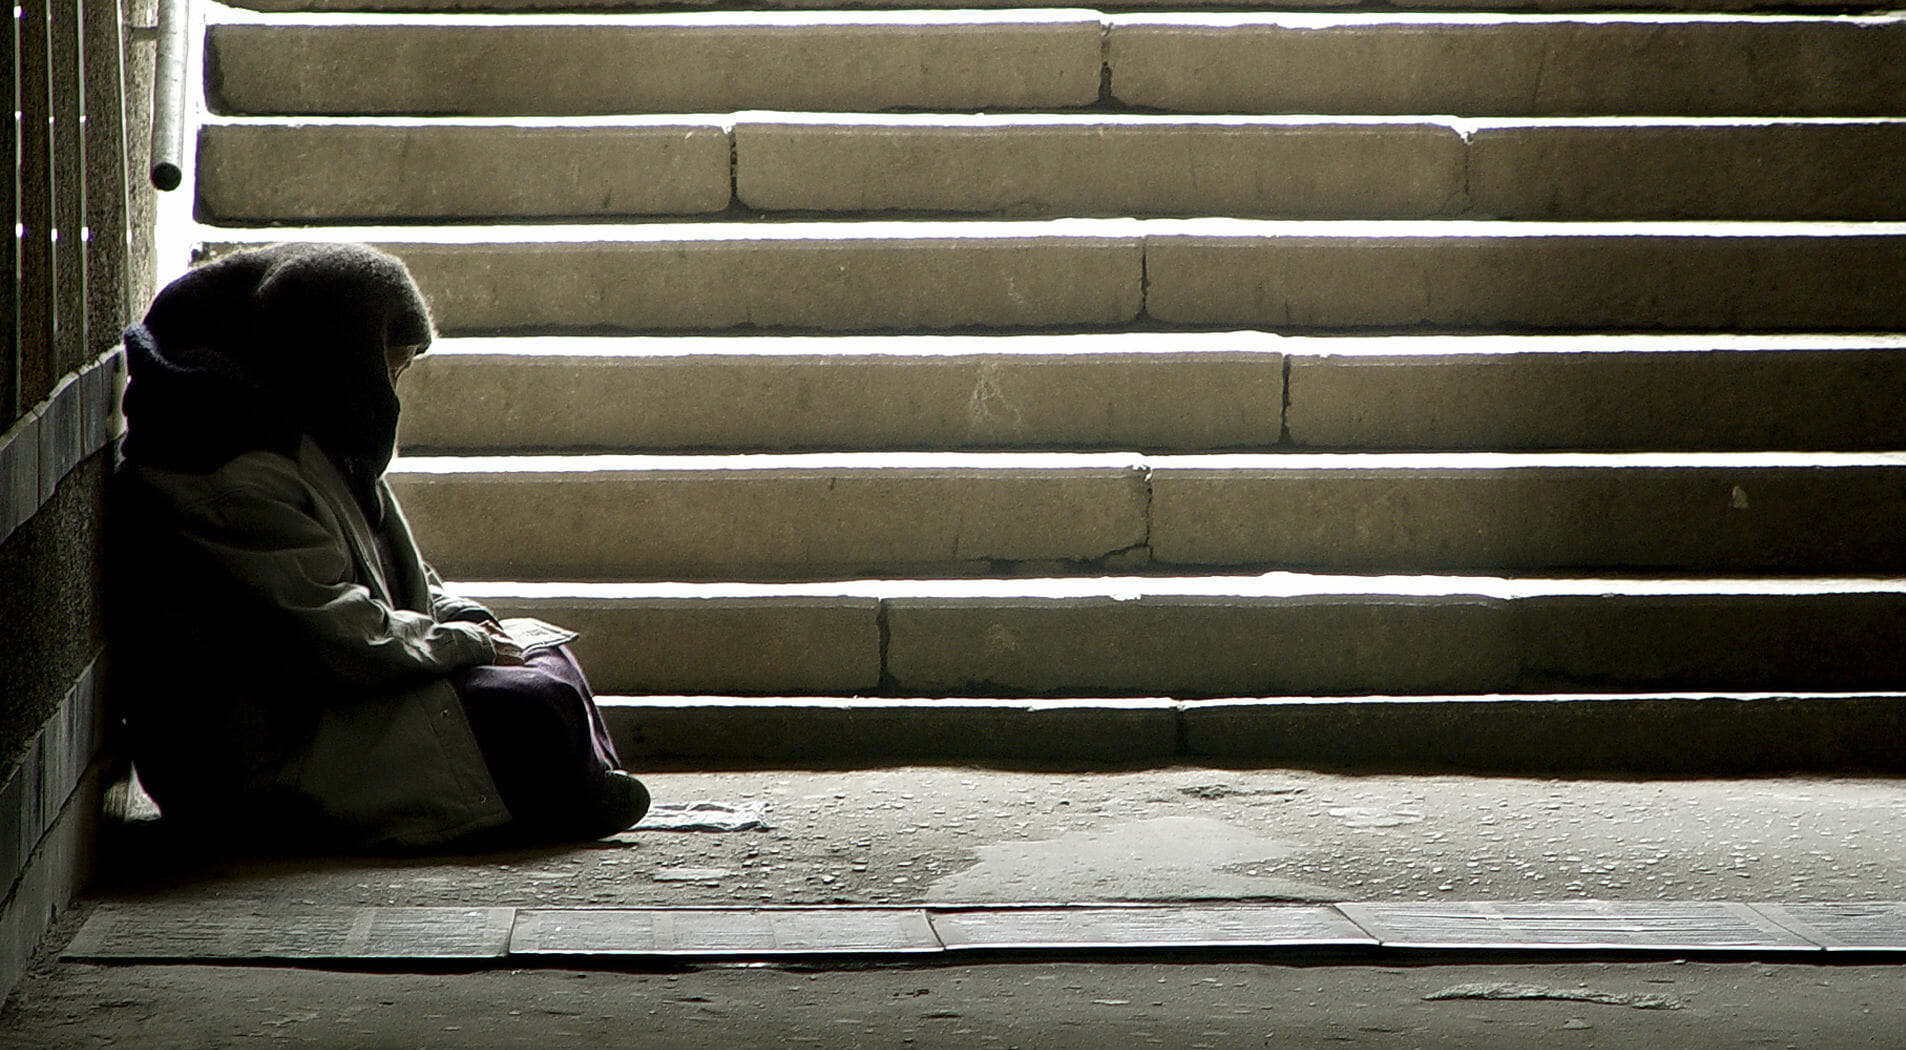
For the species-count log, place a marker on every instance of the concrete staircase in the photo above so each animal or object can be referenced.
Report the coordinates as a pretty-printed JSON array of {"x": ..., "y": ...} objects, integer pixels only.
[{"x": 1059, "y": 385}]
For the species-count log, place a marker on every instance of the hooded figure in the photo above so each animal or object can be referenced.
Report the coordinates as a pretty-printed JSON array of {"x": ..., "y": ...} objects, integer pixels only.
[{"x": 289, "y": 669}]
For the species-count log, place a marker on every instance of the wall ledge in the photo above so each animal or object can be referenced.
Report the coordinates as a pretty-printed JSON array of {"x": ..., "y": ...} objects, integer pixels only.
[
  {"x": 80, "y": 417},
  {"x": 49, "y": 807}
]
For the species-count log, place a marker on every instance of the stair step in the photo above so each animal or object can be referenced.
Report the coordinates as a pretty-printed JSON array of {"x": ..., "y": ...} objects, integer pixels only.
[
  {"x": 1469, "y": 65},
  {"x": 623, "y": 6},
  {"x": 1613, "y": 392},
  {"x": 450, "y": 169},
  {"x": 1326, "y": 167},
  {"x": 1112, "y": 390},
  {"x": 1581, "y": 276},
  {"x": 1684, "y": 168},
  {"x": 1510, "y": 65},
  {"x": 1156, "y": 391},
  {"x": 1710, "y": 734},
  {"x": 1111, "y": 272},
  {"x": 770, "y": 517},
  {"x": 839, "y": 515},
  {"x": 1276, "y": 634},
  {"x": 473, "y": 169},
  {"x": 661, "y": 63}
]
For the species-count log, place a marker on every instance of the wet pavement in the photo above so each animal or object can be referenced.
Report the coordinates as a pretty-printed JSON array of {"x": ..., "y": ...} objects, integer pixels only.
[{"x": 983, "y": 836}]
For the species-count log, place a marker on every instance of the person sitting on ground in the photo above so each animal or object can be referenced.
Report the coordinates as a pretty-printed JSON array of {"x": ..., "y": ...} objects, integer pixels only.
[{"x": 290, "y": 671}]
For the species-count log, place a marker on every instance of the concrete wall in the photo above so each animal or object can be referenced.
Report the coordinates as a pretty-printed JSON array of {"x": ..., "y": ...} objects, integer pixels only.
[{"x": 77, "y": 63}]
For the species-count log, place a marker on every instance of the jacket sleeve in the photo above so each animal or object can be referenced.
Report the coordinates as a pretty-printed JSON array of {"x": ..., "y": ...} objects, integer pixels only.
[
  {"x": 261, "y": 531},
  {"x": 451, "y": 607}
]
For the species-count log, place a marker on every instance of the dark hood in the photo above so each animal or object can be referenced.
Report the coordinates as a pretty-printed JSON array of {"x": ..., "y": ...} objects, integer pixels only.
[{"x": 256, "y": 348}]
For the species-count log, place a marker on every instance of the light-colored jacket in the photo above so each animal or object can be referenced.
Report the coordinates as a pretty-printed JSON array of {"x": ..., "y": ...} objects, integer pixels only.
[{"x": 270, "y": 669}]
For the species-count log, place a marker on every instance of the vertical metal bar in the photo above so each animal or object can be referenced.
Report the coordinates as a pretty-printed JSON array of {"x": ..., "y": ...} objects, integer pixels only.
[{"x": 168, "y": 96}]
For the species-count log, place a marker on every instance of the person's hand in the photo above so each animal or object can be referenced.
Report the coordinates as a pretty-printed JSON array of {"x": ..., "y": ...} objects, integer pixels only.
[{"x": 508, "y": 653}]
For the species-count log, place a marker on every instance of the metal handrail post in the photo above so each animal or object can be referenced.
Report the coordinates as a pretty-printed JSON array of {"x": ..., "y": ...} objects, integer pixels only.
[{"x": 168, "y": 96}]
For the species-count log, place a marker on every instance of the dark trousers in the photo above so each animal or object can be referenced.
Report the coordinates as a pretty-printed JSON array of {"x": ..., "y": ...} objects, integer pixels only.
[{"x": 540, "y": 733}]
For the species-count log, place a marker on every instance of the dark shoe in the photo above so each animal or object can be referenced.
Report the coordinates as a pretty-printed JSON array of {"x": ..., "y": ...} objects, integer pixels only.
[{"x": 619, "y": 804}]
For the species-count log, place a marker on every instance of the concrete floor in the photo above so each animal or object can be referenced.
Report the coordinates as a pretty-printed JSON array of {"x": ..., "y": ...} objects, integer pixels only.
[{"x": 951, "y": 835}]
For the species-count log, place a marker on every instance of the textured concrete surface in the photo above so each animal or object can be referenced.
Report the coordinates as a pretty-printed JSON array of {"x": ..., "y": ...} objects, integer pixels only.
[
  {"x": 1091, "y": 273},
  {"x": 1127, "y": 390},
  {"x": 1693, "y": 393},
  {"x": 659, "y": 64},
  {"x": 1508, "y": 65},
  {"x": 950, "y": 835},
  {"x": 677, "y": 642},
  {"x": 822, "y": 277},
  {"x": 1506, "y": 276},
  {"x": 1196, "y": 645},
  {"x": 953, "y": 835},
  {"x": 794, "y": 517},
  {"x": 1531, "y": 513},
  {"x": 1274, "y": 634},
  {"x": 1593, "y": 169},
  {"x": 1679, "y": 641},
  {"x": 310, "y": 172},
  {"x": 1108, "y": 166},
  {"x": 1158, "y": 391},
  {"x": 1597, "y": 733},
  {"x": 884, "y": 515},
  {"x": 1082, "y": 1005},
  {"x": 1611, "y": 170},
  {"x": 1460, "y": 635}
]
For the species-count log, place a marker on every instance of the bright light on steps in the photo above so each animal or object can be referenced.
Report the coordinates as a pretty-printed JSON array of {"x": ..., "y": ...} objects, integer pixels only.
[
  {"x": 740, "y": 346},
  {"x": 1034, "y": 121},
  {"x": 1268, "y": 586},
  {"x": 1065, "y": 461},
  {"x": 577, "y": 234},
  {"x": 220, "y": 14},
  {"x": 1354, "y": 19},
  {"x": 1126, "y": 703}
]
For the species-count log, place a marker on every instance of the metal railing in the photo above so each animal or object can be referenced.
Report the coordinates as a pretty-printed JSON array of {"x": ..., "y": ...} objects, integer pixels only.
[{"x": 168, "y": 95}]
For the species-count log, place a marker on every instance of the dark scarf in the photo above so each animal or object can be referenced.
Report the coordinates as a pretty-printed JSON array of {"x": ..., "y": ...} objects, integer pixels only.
[{"x": 254, "y": 349}]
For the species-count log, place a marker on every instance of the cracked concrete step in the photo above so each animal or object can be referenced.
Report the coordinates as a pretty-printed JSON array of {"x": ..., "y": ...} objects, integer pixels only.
[
  {"x": 1156, "y": 391},
  {"x": 1706, "y": 733},
  {"x": 655, "y": 63},
  {"x": 1510, "y": 65},
  {"x": 847, "y": 514},
  {"x": 1110, "y": 272},
  {"x": 473, "y": 169},
  {"x": 1279, "y": 634}
]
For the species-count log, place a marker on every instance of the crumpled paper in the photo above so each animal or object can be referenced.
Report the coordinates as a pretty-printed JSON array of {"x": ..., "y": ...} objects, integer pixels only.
[
  {"x": 703, "y": 816},
  {"x": 1509, "y": 990}
]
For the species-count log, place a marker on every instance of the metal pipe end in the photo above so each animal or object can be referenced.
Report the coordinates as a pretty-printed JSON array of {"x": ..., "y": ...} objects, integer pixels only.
[{"x": 167, "y": 176}]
